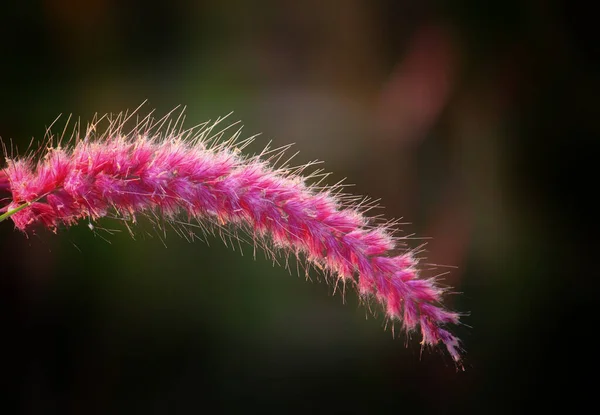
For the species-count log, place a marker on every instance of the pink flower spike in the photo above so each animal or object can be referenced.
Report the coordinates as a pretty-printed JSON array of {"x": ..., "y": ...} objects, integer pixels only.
[{"x": 197, "y": 176}]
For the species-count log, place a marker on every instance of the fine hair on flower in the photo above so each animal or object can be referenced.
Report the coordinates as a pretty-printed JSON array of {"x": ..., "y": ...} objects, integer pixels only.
[{"x": 199, "y": 182}]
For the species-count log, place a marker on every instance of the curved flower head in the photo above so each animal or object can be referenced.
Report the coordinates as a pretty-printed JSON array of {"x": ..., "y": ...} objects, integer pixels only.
[{"x": 196, "y": 176}]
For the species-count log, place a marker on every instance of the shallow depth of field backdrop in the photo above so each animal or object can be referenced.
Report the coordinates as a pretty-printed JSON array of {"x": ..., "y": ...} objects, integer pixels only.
[{"x": 471, "y": 120}]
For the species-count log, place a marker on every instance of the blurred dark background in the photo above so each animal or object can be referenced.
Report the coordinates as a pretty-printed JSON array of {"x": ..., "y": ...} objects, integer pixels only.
[{"x": 474, "y": 121}]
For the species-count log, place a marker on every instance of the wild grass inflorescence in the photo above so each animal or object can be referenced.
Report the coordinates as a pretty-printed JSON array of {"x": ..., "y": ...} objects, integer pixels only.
[{"x": 195, "y": 179}]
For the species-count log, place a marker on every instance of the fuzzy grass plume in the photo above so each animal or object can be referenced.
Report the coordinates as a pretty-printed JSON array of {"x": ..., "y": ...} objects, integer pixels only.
[{"x": 194, "y": 179}]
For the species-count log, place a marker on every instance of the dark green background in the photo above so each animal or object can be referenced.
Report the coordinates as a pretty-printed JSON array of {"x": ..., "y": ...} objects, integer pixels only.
[{"x": 496, "y": 176}]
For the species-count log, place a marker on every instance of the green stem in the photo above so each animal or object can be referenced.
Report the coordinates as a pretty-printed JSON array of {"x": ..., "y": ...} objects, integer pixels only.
[{"x": 8, "y": 214}]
